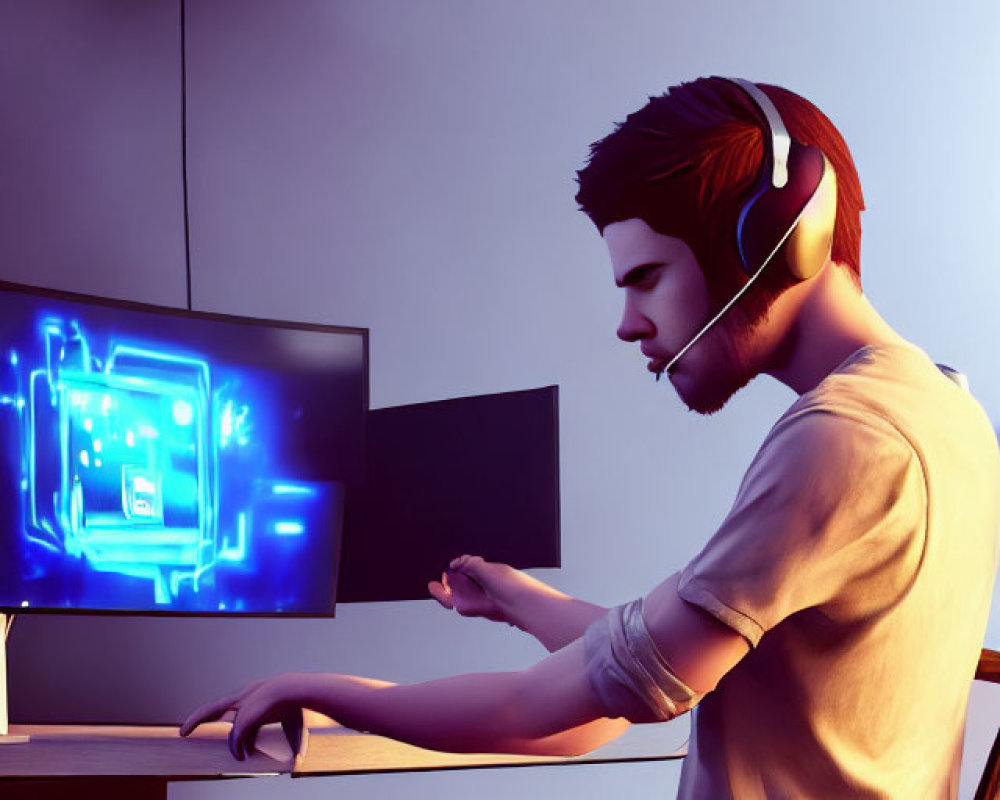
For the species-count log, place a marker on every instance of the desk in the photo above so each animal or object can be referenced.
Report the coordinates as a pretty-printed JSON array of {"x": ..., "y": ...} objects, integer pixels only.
[{"x": 138, "y": 761}]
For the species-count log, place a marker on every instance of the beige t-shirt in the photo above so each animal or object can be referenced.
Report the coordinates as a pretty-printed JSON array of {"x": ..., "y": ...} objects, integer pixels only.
[{"x": 858, "y": 561}]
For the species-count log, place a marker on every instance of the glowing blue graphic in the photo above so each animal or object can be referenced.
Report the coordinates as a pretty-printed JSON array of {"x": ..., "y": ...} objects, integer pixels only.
[
  {"x": 286, "y": 528},
  {"x": 286, "y": 488},
  {"x": 136, "y": 467}
]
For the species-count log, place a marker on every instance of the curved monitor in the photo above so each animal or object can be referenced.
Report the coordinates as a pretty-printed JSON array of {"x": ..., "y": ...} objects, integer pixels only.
[{"x": 161, "y": 461}]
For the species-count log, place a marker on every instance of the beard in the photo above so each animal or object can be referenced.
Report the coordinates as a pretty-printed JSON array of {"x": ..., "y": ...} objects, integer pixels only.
[
  {"x": 711, "y": 393},
  {"x": 707, "y": 386}
]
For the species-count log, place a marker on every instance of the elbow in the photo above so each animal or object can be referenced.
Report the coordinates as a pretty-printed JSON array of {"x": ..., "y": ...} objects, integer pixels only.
[{"x": 581, "y": 740}]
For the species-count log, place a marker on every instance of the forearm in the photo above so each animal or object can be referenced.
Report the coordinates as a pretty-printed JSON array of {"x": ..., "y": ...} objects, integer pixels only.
[
  {"x": 554, "y": 618},
  {"x": 488, "y": 712}
]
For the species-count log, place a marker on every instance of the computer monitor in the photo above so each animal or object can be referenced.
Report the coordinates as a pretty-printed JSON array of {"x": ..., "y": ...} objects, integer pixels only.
[{"x": 160, "y": 461}]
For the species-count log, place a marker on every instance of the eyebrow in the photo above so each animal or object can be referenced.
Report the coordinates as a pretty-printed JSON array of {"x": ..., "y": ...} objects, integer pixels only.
[{"x": 637, "y": 273}]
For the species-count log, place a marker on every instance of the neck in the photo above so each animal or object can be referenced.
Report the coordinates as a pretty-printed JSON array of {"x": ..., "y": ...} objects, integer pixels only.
[{"x": 815, "y": 325}]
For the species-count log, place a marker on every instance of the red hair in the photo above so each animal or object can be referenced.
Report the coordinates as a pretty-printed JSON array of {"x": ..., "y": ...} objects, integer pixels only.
[{"x": 685, "y": 162}]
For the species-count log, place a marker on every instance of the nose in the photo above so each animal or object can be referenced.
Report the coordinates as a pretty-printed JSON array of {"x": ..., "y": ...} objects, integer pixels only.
[{"x": 634, "y": 325}]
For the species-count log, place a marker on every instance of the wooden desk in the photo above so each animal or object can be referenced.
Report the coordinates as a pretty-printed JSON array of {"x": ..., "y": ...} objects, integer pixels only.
[{"x": 138, "y": 761}]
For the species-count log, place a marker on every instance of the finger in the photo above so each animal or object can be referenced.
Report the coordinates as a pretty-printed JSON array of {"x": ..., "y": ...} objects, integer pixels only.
[
  {"x": 232, "y": 742},
  {"x": 468, "y": 596},
  {"x": 440, "y": 593},
  {"x": 216, "y": 709},
  {"x": 476, "y": 563},
  {"x": 209, "y": 712},
  {"x": 472, "y": 565},
  {"x": 462, "y": 582},
  {"x": 293, "y": 725},
  {"x": 469, "y": 576},
  {"x": 244, "y": 726},
  {"x": 253, "y": 712},
  {"x": 250, "y": 741}
]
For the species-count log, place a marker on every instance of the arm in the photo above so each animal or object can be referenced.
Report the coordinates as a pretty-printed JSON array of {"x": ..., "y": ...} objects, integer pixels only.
[
  {"x": 549, "y": 709},
  {"x": 478, "y": 588},
  {"x": 699, "y": 648}
]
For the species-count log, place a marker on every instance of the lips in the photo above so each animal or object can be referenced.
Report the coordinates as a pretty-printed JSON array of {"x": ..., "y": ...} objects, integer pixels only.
[
  {"x": 657, "y": 365},
  {"x": 657, "y": 361}
]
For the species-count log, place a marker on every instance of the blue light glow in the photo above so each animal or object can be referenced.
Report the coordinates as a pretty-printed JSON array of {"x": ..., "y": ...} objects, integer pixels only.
[
  {"x": 285, "y": 528},
  {"x": 149, "y": 432},
  {"x": 294, "y": 489},
  {"x": 237, "y": 553},
  {"x": 151, "y": 479},
  {"x": 183, "y": 412}
]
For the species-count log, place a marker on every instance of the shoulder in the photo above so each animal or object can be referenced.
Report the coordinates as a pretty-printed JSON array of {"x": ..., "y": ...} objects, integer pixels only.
[
  {"x": 821, "y": 446},
  {"x": 831, "y": 496}
]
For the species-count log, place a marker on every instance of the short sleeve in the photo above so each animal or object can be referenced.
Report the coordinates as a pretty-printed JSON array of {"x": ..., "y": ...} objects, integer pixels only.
[{"x": 832, "y": 513}]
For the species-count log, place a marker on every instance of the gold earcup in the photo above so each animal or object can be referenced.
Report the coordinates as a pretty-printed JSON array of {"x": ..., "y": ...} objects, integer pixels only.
[{"x": 808, "y": 246}]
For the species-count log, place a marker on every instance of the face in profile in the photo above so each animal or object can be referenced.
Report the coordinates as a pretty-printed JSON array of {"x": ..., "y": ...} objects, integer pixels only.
[{"x": 666, "y": 303}]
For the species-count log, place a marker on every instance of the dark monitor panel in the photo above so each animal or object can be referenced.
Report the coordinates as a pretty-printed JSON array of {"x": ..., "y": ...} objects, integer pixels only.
[
  {"x": 160, "y": 461},
  {"x": 469, "y": 475}
]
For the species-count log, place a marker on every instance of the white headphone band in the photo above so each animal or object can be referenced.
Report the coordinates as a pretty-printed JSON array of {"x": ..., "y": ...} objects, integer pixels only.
[{"x": 781, "y": 142}]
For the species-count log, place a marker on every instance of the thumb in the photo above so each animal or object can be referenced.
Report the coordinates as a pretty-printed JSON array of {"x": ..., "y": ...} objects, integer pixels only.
[{"x": 440, "y": 591}]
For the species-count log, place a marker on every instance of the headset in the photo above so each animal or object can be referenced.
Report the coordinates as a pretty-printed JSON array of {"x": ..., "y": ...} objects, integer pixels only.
[{"x": 791, "y": 209}]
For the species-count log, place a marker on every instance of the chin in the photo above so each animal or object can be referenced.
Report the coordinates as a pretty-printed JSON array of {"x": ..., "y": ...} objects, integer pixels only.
[{"x": 711, "y": 395}]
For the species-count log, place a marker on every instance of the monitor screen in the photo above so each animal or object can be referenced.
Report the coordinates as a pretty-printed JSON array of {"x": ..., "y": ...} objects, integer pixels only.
[{"x": 162, "y": 461}]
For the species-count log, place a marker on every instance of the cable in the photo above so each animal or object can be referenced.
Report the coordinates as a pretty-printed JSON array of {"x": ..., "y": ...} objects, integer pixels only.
[
  {"x": 187, "y": 227},
  {"x": 743, "y": 289}
]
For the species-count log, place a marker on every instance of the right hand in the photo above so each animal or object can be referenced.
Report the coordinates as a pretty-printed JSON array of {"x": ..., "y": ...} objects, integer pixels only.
[{"x": 477, "y": 588}]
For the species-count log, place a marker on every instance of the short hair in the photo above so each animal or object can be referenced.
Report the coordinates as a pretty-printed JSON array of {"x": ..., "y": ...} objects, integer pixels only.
[{"x": 685, "y": 162}]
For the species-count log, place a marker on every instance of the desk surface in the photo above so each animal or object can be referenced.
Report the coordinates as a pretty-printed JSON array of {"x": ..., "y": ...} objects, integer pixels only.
[{"x": 105, "y": 750}]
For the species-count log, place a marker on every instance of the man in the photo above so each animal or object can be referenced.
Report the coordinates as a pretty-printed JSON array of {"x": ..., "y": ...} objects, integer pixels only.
[{"x": 828, "y": 632}]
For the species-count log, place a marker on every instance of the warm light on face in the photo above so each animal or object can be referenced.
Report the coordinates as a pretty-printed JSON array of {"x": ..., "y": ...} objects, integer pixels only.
[{"x": 666, "y": 303}]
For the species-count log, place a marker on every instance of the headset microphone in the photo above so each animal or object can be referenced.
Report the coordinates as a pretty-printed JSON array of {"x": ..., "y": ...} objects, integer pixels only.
[
  {"x": 708, "y": 325},
  {"x": 791, "y": 209}
]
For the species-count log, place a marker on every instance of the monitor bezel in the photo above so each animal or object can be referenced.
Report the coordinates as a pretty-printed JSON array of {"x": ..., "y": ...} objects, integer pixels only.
[{"x": 175, "y": 311}]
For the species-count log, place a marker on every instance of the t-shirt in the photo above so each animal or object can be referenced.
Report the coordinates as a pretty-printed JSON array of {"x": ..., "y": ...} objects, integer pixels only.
[{"x": 858, "y": 561}]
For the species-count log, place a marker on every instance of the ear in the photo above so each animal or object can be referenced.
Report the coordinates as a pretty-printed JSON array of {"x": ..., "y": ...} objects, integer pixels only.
[{"x": 808, "y": 247}]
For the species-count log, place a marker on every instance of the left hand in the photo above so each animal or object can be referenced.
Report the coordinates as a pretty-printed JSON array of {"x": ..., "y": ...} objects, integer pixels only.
[{"x": 255, "y": 705}]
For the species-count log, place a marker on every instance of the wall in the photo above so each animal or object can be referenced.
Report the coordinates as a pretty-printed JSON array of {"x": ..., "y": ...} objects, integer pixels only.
[
  {"x": 409, "y": 167},
  {"x": 90, "y": 147}
]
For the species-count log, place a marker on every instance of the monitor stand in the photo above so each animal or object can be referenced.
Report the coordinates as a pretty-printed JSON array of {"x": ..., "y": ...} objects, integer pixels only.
[{"x": 6, "y": 620}]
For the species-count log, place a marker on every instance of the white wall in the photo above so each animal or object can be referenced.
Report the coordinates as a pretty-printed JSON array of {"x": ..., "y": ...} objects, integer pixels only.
[
  {"x": 408, "y": 166},
  {"x": 90, "y": 147}
]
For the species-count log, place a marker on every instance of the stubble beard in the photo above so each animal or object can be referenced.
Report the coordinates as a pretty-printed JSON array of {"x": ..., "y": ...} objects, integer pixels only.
[
  {"x": 712, "y": 394},
  {"x": 720, "y": 378}
]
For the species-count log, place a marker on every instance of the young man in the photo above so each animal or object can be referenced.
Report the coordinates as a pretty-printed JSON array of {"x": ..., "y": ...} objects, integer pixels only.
[{"x": 829, "y": 630}]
